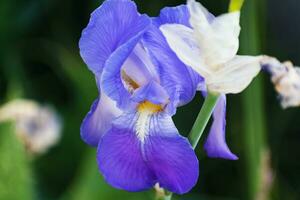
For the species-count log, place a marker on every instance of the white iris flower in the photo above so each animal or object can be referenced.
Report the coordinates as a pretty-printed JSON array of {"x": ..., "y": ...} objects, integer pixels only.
[{"x": 210, "y": 48}]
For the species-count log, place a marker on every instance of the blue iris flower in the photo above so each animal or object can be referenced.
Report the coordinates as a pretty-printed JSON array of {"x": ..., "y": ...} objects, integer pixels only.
[{"x": 141, "y": 83}]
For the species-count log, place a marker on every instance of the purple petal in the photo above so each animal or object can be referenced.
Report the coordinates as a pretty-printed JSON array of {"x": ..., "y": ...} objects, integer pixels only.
[
  {"x": 178, "y": 80},
  {"x": 120, "y": 157},
  {"x": 98, "y": 120},
  {"x": 162, "y": 156},
  {"x": 171, "y": 156},
  {"x": 215, "y": 145},
  {"x": 173, "y": 15},
  {"x": 112, "y": 25},
  {"x": 152, "y": 92},
  {"x": 111, "y": 78}
]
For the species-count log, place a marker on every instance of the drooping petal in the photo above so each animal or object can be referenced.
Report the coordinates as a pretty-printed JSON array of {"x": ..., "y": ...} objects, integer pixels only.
[
  {"x": 215, "y": 145},
  {"x": 142, "y": 150},
  {"x": 217, "y": 37},
  {"x": 179, "y": 80},
  {"x": 114, "y": 24},
  {"x": 235, "y": 75},
  {"x": 182, "y": 41},
  {"x": 120, "y": 158},
  {"x": 152, "y": 92},
  {"x": 98, "y": 120},
  {"x": 170, "y": 156}
]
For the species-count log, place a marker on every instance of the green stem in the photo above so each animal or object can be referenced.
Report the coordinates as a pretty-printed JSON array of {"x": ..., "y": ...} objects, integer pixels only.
[
  {"x": 202, "y": 119},
  {"x": 235, "y": 5},
  {"x": 254, "y": 117},
  {"x": 167, "y": 196}
]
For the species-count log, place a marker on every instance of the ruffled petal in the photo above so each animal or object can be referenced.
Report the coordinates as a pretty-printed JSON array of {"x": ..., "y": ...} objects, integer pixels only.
[
  {"x": 170, "y": 156},
  {"x": 142, "y": 150},
  {"x": 235, "y": 75},
  {"x": 215, "y": 145},
  {"x": 114, "y": 24},
  {"x": 120, "y": 158},
  {"x": 179, "y": 80},
  {"x": 98, "y": 120}
]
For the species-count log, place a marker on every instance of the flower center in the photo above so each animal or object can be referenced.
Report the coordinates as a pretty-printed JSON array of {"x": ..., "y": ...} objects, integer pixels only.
[
  {"x": 149, "y": 108},
  {"x": 146, "y": 110}
]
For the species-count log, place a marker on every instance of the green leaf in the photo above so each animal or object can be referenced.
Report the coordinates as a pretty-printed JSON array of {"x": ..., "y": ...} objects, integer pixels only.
[{"x": 15, "y": 173}]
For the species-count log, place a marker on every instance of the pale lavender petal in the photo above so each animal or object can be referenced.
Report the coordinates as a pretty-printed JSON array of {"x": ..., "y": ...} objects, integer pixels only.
[
  {"x": 120, "y": 158},
  {"x": 98, "y": 120},
  {"x": 152, "y": 92},
  {"x": 111, "y": 81},
  {"x": 112, "y": 25},
  {"x": 170, "y": 156},
  {"x": 215, "y": 145},
  {"x": 139, "y": 66}
]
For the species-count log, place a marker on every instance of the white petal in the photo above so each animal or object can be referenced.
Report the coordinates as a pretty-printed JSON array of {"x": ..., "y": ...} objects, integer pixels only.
[
  {"x": 217, "y": 37},
  {"x": 199, "y": 15},
  {"x": 235, "y": 75},
  {"x": 180, "y": 39}
]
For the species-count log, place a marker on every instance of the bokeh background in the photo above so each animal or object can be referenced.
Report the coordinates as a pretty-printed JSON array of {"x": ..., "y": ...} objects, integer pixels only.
[{"x": 39, "y": 59}]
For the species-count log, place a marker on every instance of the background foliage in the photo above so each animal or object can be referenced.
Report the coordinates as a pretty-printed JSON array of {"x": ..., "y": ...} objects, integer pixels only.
[{"x": 39, "y": 59}]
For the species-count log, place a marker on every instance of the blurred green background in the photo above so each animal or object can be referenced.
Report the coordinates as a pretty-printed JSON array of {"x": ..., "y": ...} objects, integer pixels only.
[{"x": 39, "y": 59}]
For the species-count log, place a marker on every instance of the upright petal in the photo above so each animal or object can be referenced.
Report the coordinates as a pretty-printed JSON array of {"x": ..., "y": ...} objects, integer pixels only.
[
  {"x": 98, "y": 120},
  {"x": 235, "y": 75},
  {"x": 199, "y": 15},
  {"x": 114, "y": 24},
  {"x": 216, "y": 36},
  {"x": 215, "y": 145},
  {"x": 142, "y": 150}
]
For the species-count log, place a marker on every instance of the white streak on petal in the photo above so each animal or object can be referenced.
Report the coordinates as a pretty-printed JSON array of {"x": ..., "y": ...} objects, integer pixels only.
[
  {"x": 235, "y": 75},
  {"x": 181, "y": 40},
  {"x": 142, "y": 125}
]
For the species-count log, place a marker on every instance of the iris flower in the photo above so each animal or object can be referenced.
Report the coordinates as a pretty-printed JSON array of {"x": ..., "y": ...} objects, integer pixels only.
[
  {"x": 209, "y": 46},
  {"x": 141, "y": 82}
]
